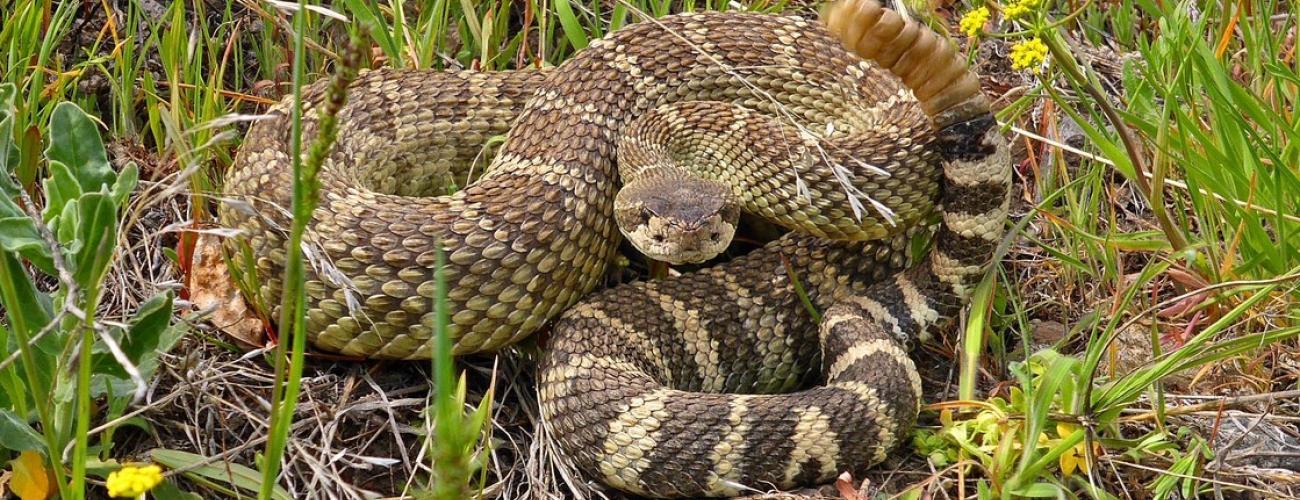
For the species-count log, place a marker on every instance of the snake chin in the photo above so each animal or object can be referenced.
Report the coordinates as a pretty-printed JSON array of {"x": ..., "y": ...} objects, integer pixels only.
[
  {"x": 675, "y": 219},
  {"x": 676, "y": 242}
]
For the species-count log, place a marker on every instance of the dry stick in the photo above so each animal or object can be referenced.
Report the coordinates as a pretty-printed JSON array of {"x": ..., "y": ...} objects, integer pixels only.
[
  {"x": 1218, "y": 403},
  {"x": 1171, "y": 182},
  {"x": 1186, "y": 476}
]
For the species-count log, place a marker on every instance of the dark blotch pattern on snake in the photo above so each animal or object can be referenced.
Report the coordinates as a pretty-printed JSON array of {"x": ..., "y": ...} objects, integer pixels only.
[{"x": 660, "y": 388}]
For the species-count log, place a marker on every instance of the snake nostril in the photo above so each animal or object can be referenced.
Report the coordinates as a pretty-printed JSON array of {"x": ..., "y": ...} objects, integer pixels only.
[
  {"x": 714, "y": 236},
  {"x": 659, "y": 238}
]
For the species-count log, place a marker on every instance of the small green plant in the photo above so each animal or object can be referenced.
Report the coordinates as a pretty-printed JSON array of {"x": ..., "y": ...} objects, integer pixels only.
[
  {"x": 1206, "y": 146},
  {"x": 456, "y": 438},
  {"x": 67, "y": 365},
  {"x": 289, "y": 354},
  {"x": 1032, "y": 444},
  {"x": 1014, "y": 440},
  {"x": 458, "y": 443}
]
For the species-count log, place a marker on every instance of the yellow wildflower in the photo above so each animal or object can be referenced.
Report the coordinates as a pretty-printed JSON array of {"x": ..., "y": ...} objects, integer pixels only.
[
  {"x": 28, "y": 478},
  {"x": 1019, "y": 8},
  {"x": 1029, "y": 54},
  {"x": 131, "y": 481},
  {"x": 973, "y": 22},
  {"x": 1077, "y": 456}
]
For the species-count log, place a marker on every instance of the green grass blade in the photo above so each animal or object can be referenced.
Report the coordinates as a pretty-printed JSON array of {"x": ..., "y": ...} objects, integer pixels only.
[{"x": 573, "y": 31}]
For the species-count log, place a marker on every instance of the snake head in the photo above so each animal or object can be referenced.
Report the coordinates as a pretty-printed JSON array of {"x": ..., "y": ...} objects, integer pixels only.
[{"x": 677, "y": 219}]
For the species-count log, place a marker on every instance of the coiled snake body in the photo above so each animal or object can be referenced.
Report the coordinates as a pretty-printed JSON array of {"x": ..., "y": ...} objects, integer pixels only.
[{"x": 663, "y": 388}]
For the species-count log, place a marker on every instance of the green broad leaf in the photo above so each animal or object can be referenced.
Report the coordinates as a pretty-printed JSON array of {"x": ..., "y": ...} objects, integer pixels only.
[
  {"x": 101, "y": 468},
  {"x": 149, "y": 336},
  {"x": 227, "y": 473},
  {"x": 167, "y": 490},
  {"x": 16, "y": 435},
  {"x": 65, "y": 225},
  {"x": 125, "y": 185},
  {"x": 75, "y": 141},
  {"x": 97, "y": 234},
  {"x": 137, "y": 422},
  {"x": 19, "y": 235},
  {"x": 171, "y": 255},
  {"x": 572, "y": 27},
  {"x": 366, "y": 17},
  {"x": 146, "y": 334},
  {"x": 22, "y": 299},
  {"x": 1039, "y": 490},
  {"x": 61, "y": 187},
  {"x": 9, "y": 207}
]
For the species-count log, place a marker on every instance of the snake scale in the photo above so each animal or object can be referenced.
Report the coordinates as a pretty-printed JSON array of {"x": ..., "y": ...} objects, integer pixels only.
[{"x": 679, "y": 387}]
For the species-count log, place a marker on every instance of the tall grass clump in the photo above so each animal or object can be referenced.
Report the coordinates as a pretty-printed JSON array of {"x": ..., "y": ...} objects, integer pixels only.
[
  {"x": 1204, "y": 142},
  {"x": 29, "y": 35}
]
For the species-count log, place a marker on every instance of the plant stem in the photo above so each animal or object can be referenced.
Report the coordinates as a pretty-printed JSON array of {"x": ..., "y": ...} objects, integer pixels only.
[
  {"x": 84, "y": 366},
  {"x": 17, "y": 318},
  {"x": 285, "y": 399},
  {"x": 449, "y": 474},
  {"x": 306, "y": 190}
]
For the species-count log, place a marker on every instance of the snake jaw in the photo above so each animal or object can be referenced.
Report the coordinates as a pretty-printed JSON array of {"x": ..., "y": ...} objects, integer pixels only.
[
  {"x": 678, "y": 220},
  {"x": 672, "y": 241}
]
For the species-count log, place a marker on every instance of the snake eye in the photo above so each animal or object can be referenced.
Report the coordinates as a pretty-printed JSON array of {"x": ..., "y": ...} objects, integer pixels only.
[{"x": 645, "y": 215}]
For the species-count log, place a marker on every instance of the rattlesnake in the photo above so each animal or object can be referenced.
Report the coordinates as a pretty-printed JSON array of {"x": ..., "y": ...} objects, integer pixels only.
[{"x": 535, "y": 233}]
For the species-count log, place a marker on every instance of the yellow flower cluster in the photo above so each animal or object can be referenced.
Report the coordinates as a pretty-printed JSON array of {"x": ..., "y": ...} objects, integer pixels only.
[
  {"x": 1029, "y": 54},
  {"x": 973, "y": 22},
  {"x": 132, "y": 481},
  {"x": 1019, "y": 8}
]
